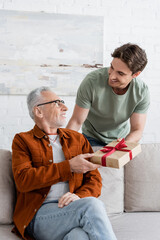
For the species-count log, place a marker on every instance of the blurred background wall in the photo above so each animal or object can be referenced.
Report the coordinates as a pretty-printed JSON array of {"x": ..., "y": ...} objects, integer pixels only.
[{"x": 121, "y": 21}]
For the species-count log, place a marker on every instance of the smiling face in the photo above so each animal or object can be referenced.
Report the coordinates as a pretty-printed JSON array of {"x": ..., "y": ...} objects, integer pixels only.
[
  {"x": 120, "y": 75},
  {"x": 52, "y": 115}
]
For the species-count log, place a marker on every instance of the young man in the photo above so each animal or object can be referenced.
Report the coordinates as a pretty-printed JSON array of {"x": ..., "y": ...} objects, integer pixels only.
[
  {"x": 57, "y": 187},
  {"x": 109, "y": 98}
]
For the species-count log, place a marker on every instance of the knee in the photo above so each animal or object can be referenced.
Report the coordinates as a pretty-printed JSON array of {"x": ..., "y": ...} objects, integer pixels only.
[{"x": 95, "y": 204}]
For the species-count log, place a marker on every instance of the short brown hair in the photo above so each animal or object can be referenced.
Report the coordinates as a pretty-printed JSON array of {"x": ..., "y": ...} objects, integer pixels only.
[{"x": 131, "y": 54}]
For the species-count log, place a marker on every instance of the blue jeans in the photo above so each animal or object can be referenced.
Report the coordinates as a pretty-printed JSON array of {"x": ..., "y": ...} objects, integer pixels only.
[
  {"x": 83, "y": 219},
  {"x": 94, "y": 142}
]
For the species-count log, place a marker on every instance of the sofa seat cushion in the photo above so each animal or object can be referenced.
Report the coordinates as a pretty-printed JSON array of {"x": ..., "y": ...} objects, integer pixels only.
[
  {"x": 6, "y": 234},
  {"x": 136, "y": 226}
]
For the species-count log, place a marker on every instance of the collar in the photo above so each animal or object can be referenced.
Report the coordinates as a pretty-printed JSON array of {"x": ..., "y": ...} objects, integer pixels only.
[
  {"x": 40, "y": 134},
  {"x": 63, "y": 133}
]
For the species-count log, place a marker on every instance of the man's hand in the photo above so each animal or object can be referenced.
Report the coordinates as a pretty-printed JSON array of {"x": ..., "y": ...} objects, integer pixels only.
[
  {"x": 119, "y": 139},
  {"x": 79, "y": 164},
  {"x": 66, "y": 199}
]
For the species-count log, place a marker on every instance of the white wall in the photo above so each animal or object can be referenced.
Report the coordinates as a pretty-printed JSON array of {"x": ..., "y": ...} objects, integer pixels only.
[
  {"x": 15, "y": 118},
  {"x": 135, "y": 21}
]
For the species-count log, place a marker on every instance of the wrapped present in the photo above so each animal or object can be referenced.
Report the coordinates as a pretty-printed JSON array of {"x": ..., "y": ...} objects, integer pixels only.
[{"x": 116, "y": 154}]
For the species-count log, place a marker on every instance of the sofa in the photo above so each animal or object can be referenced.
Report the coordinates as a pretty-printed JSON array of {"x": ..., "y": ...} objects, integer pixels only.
[{"x": 131, "y": 196}]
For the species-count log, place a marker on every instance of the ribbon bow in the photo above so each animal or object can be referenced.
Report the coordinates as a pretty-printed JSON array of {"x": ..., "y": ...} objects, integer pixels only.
[{"x": 109, "y": 150}]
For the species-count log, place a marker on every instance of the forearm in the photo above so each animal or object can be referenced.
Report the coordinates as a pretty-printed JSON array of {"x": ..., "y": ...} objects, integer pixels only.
[
  {"x": 92, "y": 185},
  {"x": 134, "y": 136},
  {"x": 137, "y": 122},
  {"x": 78, "y": 118},
  {"x": 29, "y": 177},
  {"x": 73, "y": 124},
  {"x": 92, "y": 182}
]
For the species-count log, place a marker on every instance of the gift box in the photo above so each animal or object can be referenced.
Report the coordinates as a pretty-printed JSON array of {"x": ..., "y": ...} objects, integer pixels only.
[{"x": 116, "y": 154}]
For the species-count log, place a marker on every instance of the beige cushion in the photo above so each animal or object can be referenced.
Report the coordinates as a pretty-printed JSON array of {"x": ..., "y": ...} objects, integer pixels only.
[
  {"x": 6, "y": 234},
  {"x": 113, "y": 188},
  {"x": 142, "y": 180},
  {"x": 7, "y": 189},
  {"x": 136, "y": 226}
]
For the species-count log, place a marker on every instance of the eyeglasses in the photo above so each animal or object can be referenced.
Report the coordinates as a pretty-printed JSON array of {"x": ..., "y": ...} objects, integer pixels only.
[{"x": 57, "y": 102}]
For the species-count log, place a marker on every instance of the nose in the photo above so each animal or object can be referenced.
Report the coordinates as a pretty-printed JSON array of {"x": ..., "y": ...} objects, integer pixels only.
[
  {"x": 112, "y": 74},
  {"x": 64, "y": 107}
]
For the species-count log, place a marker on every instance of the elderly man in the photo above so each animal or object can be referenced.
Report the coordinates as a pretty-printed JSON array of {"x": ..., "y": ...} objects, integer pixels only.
[
  {"x": 111, "y": 102},
  {"x": 57, "y": 187}
]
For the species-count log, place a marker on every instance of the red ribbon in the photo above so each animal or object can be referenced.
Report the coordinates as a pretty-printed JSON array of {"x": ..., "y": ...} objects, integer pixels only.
[{"x": 109, "y": 150}]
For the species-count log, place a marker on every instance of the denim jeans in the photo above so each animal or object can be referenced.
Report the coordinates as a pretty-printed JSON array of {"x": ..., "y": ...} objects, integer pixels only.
[
  {"x": 83, "y": 219},
  {"x": 94, "y": 142}
]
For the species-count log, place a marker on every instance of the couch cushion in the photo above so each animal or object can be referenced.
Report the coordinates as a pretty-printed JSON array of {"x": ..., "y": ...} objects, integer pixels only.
[
  {"x": 136, "y": 226},
  {"x": 142, "y": 180},
  {"x": 7, "y": 188},
  {"x": 6, "y": 234},
  {"x": 113, "y": 188}
]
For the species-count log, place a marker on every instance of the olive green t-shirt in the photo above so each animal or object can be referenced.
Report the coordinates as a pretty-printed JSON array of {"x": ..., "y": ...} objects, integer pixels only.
[{"x": 109, "y": 113}]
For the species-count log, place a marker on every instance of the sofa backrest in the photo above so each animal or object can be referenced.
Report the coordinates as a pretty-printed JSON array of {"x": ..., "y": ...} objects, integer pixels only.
[
  {"x": 7, "y": 188},
  {"x": 112, "y": 194},
  {"x": 134, "y": 187},
  {"x": 142, "y": 180}
]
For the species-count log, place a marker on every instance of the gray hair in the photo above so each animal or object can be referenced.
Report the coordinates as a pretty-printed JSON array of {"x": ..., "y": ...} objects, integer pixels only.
[{"x": 34, "y": 98}]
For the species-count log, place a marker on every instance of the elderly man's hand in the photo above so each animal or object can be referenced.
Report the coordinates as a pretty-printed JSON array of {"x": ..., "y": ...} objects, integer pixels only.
[
  {"x": 79, "y": 164},
  {"x": 119, "y": 139},
  {"x": 66, "y": 199}
]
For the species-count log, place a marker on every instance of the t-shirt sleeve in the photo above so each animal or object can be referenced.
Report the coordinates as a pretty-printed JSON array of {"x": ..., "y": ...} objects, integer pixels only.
[
  {"x": 85, "y": 93},
  {"x": 143, "y": 105}
]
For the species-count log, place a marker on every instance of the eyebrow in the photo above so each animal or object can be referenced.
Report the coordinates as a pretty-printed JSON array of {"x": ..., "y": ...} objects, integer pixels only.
[{"x": 118, "y": 71}]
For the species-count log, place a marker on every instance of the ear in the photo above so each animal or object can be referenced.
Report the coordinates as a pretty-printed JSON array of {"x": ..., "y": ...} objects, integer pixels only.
[
  {"x": 38, "y": 112},
  {"x": 136, "y": 74}
]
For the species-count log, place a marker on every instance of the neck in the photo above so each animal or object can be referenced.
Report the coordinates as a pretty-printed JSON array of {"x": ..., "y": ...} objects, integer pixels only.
[
  {"x": 121, "y": 91},
  {"x": 48, "y": 130}
]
